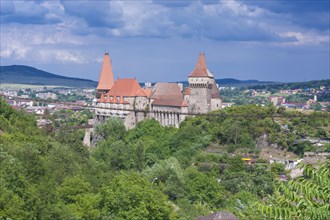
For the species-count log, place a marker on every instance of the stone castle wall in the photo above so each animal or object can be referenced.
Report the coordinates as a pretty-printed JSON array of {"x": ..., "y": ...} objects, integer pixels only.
[{"x": 215, "y": 104}]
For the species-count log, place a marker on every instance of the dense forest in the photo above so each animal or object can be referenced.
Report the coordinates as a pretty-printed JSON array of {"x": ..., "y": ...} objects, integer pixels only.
[{"x": 155, "y": 172}]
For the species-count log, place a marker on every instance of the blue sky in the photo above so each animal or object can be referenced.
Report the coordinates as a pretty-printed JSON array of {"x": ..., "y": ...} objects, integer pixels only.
[{"x": 160, "y": 40}]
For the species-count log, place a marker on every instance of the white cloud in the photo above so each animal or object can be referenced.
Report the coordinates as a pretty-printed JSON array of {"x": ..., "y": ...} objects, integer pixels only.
[
  {"x": 55, "y": 10},
  {"x": 42, "y": 44},
  {"x": 241, "y": 9},
  {"x": 67, "y": 57},
  {"x": 306, "y": 38},
  {"x": 15, "y": 49}
]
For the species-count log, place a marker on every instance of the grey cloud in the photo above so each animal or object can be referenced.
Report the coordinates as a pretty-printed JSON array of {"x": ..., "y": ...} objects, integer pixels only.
[
  {"x": 309, "y": 14},
  {"x": 7, "y": 7},
  {"x": 95, "y": 13},
  {"x": 173, "y": 3},
  {"x": 25, "y": 12},
  {"x": 222, "y": 23}
]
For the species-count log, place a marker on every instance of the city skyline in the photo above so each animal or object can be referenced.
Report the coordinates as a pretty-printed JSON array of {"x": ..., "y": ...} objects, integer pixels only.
[{"x": 161, "y": 40}]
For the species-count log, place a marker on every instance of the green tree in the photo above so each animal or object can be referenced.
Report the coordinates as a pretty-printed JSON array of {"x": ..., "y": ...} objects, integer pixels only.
[
  {"x": 78, "y": 198},
  {"x": 12, "y": 188},
  {"x": 277, "y": 168},
  {"x": 112, "y": 128},
  {"x": 203, "y": 188},
  {"x": 130, "y": 196},
  {"x": 169, "y": 174},
  {"x": 307, "y": 197},
  {"x": 317, "y": 107}
]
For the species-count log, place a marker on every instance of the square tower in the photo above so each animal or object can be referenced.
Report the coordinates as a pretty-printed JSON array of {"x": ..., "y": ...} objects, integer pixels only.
[{"x": 202, "y": 88}]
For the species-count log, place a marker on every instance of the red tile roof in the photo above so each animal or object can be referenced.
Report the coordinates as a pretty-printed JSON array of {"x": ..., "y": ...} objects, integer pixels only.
[
  {"x": 141, "y": 93},
  {"x": 201, "y": 68},
  {"x": 215, "y": 93},
  {"x": 144, "y": 92},
  {"x": 167, "y": 94},
  {"x": 112, "y": 99},
  {"x": 125, "y": 87},
  {"x": 147, "y": 92},
  {"x": 166, "y": 91},
  {"x": 184, "y": 103},
  {"x": 102, "y": 98},
  {"x": 186, "y": 91},
  {"x": 106, "y": 76},
  {"x": 170, "y": 102}
]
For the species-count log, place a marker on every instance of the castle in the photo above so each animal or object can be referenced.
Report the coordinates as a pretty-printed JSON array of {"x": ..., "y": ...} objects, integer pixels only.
[{"x": 168, "y": 103}]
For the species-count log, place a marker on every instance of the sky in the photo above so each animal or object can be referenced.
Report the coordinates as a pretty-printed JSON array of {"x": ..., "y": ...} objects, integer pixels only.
[{"x": 160, "y": 40}]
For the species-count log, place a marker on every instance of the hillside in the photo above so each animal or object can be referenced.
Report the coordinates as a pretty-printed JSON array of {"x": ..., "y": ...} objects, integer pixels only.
[
  {"x": 156, "y": 172},
  {"x": 237, "y": 83},
  {"x": 316, "y": 84},
  {"x": 19, "y": 74}
]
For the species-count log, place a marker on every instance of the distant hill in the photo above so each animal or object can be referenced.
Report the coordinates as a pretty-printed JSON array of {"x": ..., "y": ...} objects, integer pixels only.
[
  {"x": 237, "y": 83},
  {"x": 316, "y": 84},
  {"x": 240, "y": 83},
  {"x": 19, "y": 74}
]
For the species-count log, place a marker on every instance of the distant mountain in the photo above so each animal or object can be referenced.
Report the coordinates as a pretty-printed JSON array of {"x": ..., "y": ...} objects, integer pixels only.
[
  {"x": 237, "y": 83},
  {"x": 19, "y": 74}
]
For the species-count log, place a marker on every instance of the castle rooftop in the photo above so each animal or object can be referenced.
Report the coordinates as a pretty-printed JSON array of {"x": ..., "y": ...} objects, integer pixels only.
[
  {"x": 106, "y": 76},
  {"x": 201, "y": 68}
]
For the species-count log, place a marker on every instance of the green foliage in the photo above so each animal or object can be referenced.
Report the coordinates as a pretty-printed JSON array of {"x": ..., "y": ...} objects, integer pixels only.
[
  {"x": 152, "y": 139},
  {"x": 112, "y": 128},
  {"x": 190, "y": 210},
  {"x": 5, "y": 110},
  {"x": 243, "y": 205},
  {"x": 12, "y": 187},
  {"x": 240, "y": 96},
  {"x": 238, "y": 177},
  {"x": 277, "y": 168},
  {"x": 203, "y": 188},
  {"x": 77, "y": 197},
  {"x": 169, "y": 174},
  {"x": 149, "y": 172},
  {"x": 305, "y": 198},
  {"x": 130, "y": 196},
  {"x": 317, "y": 107}
]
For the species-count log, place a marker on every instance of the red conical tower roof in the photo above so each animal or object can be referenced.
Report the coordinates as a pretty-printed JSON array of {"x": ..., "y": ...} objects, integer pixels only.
[
  {"x": 201, "y": 68},
  {"x": 106, "y": 76}
]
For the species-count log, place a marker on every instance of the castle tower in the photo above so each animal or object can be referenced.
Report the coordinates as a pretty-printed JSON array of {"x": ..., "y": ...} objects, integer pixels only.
[
  {"x": 106, "y": 80},
  {"x": 201, "y": 84}
]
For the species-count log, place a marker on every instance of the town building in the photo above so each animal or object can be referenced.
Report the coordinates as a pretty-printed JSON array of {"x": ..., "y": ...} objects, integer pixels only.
[
  {"x": 168, "y": 103},
  {"x": 276, "y": 100}
]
